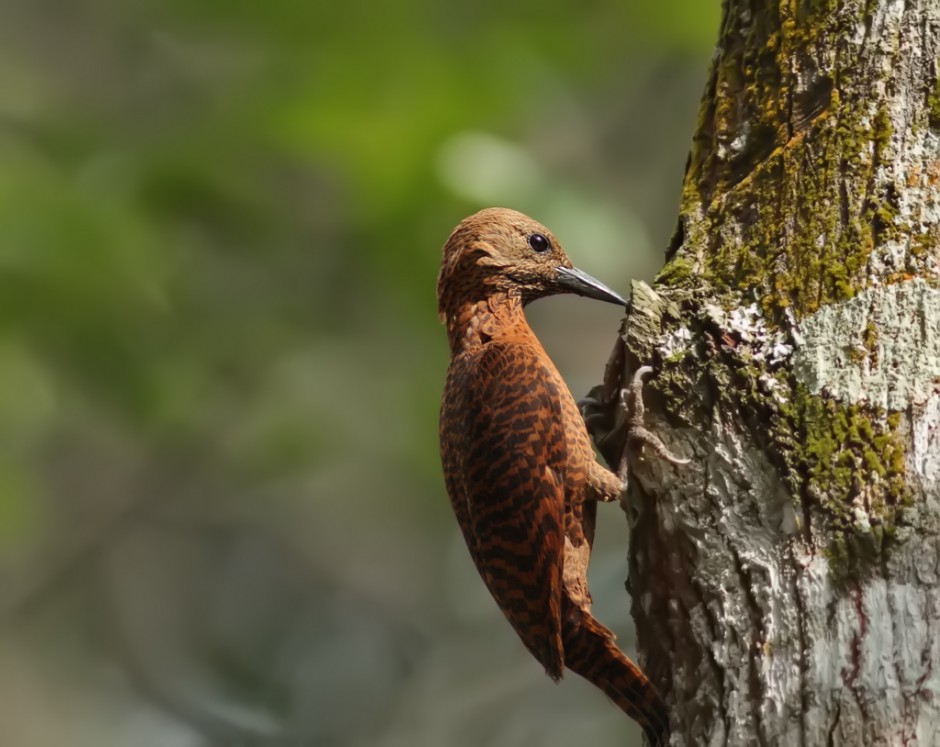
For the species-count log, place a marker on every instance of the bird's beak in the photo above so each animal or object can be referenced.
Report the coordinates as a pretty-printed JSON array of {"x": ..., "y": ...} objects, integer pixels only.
[{"x": 573, "y": 280}]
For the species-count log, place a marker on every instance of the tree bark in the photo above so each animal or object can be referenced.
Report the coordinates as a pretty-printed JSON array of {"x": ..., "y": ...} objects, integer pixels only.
[{"x": 785, "y": 584}]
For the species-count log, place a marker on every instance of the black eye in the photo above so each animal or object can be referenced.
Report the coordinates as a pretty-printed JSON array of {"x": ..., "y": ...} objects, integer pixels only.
[{"x": 539, "y": 243}]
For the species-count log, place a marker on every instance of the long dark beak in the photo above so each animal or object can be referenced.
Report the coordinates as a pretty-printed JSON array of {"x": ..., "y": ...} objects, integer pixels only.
[{"x": 573, "y": 280}]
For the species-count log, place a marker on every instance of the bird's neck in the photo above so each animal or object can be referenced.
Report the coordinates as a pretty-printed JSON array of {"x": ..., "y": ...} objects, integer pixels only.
[{"x": 496, "y": 317}]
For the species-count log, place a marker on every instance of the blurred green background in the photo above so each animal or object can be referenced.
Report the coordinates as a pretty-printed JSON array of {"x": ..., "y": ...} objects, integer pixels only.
[{"x": 222, "y": 520}]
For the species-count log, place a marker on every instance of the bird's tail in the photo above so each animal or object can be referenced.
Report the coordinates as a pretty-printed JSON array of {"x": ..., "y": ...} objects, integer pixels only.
[{"x": 590, "y": 651}]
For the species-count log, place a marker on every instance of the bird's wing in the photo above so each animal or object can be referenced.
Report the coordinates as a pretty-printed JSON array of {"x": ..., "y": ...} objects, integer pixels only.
[{"x": 510, "y": 489}]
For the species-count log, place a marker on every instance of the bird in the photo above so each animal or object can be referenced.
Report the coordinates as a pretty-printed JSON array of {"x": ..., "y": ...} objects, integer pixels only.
[{"x": 518, "y": 464}]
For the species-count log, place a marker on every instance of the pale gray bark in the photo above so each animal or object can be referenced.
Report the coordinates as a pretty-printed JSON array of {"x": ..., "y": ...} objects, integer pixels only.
[{"x": 785, "y": 584}]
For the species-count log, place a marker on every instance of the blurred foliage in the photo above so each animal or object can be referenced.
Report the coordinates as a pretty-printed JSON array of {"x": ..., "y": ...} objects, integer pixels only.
[{"x": 219, "y": 234}]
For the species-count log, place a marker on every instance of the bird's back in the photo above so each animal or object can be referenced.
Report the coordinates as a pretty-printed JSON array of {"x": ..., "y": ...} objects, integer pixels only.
[{"x": 505, "y": 458}]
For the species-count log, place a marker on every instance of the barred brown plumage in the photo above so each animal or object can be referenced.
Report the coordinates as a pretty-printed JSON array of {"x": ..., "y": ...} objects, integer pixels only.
[{"x": 518, "y": 464}]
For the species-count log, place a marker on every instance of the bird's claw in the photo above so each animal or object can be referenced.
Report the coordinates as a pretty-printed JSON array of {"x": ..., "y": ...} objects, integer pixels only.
[
  {"x": 596, "y": 412},
  {"x": 632, "y": 399}
]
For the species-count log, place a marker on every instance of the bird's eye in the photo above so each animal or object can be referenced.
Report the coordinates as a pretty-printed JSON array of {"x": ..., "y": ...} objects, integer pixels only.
[{"x": 539, "y": 243}]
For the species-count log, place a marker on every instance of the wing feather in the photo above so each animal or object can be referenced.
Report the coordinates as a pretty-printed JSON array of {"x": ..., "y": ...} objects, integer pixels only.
[{"x": 505, "y": 458}]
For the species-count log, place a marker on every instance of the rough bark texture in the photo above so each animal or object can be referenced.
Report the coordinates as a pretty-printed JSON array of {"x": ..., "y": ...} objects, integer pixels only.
[{"x": 785, "y": 584}]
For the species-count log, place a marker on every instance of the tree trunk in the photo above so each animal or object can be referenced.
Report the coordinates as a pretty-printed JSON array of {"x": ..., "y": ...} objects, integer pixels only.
[{"x": 785, "y": 583}]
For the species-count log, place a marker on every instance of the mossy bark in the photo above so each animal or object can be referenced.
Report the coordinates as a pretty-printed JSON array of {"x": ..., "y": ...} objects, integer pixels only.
[{"x": 785, "y": 584}]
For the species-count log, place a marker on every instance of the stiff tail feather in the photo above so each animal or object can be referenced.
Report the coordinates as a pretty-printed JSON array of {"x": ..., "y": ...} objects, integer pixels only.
[{"x": 590, "y": 651}]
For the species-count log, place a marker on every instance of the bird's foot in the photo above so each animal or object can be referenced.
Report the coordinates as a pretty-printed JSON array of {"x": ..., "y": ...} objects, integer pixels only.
[
  {"x": 597, "y": 412},
  {"x": 637, "y": 434}
]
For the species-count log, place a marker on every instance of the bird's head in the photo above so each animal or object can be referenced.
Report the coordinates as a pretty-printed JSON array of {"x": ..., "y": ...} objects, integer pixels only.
[{"x": 498, "y": 250}]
